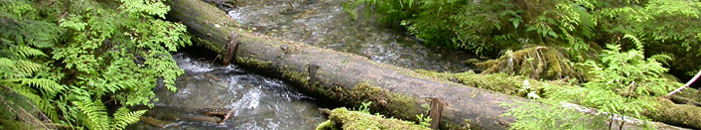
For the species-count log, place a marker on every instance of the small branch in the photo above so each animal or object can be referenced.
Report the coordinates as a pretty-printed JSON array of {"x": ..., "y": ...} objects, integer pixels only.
[
  {"x": 293, "y": 7},
  {"x": 687, "y": 84}
]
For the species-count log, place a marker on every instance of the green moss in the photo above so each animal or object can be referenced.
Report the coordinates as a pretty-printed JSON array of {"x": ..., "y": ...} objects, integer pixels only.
[
  {"x": 208, "y": 44},
  {"x": 536, "y": 61},
  {"x": 395, "y": 104},
  {"x": 355, "y": 120},
  {"x": 690, "y": 93},
  {"x": 675, "y": 114},
  {"x": 496, "y": 82},
  {"x": 384, "y": 101},
  {"x": 328, "y": 125}
]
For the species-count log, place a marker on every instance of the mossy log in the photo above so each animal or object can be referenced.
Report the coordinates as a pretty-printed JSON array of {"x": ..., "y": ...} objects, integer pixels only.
[
  {"x": 686, "y": 115},
  {"x": 343, "y": 77}
]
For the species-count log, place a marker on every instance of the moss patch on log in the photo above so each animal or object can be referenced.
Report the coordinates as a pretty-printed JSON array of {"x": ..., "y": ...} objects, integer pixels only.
[
  {"x": 341, "y": 118},
  {"x": 503, "y": 83},
  {"x": 384, "y": 101},
  {"x": 683, "y": 115},
  {"x": 389, "y": 103}
]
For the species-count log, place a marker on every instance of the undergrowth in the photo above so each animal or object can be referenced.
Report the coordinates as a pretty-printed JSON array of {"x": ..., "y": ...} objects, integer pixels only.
[
  {"x": 624, "y": 83},
  {"x": 70, "y": 60},
  {"x": 579, "y": 28}
]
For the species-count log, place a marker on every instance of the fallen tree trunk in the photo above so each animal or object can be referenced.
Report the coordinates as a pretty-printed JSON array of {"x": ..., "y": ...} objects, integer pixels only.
[{"x": 343, "y": 77}]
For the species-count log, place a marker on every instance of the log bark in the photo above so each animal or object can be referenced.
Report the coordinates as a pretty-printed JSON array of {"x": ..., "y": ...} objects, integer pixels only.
[{"x": 343, "y": 77}]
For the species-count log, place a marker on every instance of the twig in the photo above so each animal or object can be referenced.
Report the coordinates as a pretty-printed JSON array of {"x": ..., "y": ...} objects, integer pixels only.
[
  {"x": 293, "y": 7},
  {"x": 687, "y": 84}
]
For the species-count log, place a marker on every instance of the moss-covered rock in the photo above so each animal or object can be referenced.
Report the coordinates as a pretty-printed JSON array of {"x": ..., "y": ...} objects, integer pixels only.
[{"x": 536, "y": 62}]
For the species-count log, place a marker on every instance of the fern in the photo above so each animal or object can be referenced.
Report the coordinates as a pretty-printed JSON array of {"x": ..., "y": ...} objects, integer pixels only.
[
  {"x": 46, "y": 46},
  {"x": 619, "y": 82},
  {"x": 533, "y": 116},
  {"x": 18, "y": 112},
  {"x": 26, "y": 51},
  {"x": 124, "y": 117},
  {"x": 95, "y": 114},
  {"x": 49, "y": 87},
  {"x": 624, "y": 82}
]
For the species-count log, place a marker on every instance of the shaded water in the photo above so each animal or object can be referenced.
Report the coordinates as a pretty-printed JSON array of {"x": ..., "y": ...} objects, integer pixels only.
[
  {"x": 255, "y": 102},
  {"x": 323, "y": 23}
]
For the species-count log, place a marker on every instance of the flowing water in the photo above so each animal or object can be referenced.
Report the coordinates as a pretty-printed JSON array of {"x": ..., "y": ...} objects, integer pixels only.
[
  {"x": 254, "y": 102},
  {"x": 323, "y": 23}
]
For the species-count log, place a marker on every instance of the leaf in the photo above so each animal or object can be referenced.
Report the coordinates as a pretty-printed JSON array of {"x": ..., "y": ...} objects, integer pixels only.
[
  {"x": 530, "y": 28},
  {"x": 515, "y": 22},
  {"x": 552, "y": 34}
]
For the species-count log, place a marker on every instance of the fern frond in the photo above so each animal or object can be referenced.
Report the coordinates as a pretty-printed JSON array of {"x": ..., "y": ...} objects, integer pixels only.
[
  {"x": 28, "y": 67},
  {"x": 586, "y": 22},
  {"x": 26, "y": 51},
  {"x": 638, "y": 44},
  {"x": 95, "y": 113},
  {"x": 49, "y": 87},
  {"x": 664, "y": 58},
  {"x": 39, "y": 34},
  {"x": 43, "y": 103},
  {"x": 7, "y": 68},
  {"x": 123, "y": 118},
  {"x": 17, "y": 108}
]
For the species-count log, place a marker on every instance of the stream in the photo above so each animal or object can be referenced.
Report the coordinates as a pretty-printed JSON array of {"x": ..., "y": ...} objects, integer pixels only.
[
  {"x": 212, "y": 96},
  {"x": 323, "y": 23},
  {"x": 254, "y": 102}
]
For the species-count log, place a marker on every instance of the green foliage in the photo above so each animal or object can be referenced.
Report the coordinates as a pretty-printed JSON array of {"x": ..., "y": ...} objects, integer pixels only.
[
  {"x": 547, "y": 113},
  {"x": 667, "y": 26},
  {"x": 424, "y": 121},
  {"x": 486, "y": 27},
  {"x": 20, "y": 43},
  {"x": 622, "y": 83},
  {"x": 125, "y": 117},
  {"x": 533, "y": 116},
  {"x": 365, "y": 107},
  {"x": 625, "y": 82},
  {"x": 18, "y": 112},
  {"x": 580, "y": 27},
  {"x": 394, "y": 10},
  {"x": 629, "y": 73},
  {"x": 67, "y": 57}
]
